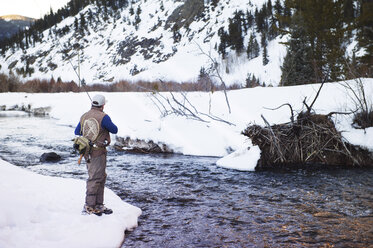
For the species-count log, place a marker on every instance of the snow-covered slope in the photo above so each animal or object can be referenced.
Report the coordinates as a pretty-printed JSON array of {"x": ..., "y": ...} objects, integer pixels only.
[
  {"x": 137, "y": 115},
  {"x": 117, "y": 48}
]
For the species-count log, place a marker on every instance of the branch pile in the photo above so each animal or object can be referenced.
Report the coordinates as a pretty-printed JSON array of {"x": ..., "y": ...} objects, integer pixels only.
[{"x": 310, "y": 139}]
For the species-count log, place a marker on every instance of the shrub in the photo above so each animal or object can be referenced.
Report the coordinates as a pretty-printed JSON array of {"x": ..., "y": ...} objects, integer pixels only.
[
  {"x": 13, "y": 84},
  {"x": 9, "y": 83},
  {"x": 363, "y": 119}
]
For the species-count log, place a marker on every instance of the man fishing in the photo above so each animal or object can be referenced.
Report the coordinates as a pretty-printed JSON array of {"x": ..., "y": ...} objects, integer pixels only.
[{"x": 96, "y": 125}]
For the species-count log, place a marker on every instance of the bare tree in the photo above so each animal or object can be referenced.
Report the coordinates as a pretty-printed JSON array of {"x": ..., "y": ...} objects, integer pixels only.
[
  {"x": 363, "y": 113},
  {"x": 363, "y": 107},
  {"x": 215, "y": 67}
]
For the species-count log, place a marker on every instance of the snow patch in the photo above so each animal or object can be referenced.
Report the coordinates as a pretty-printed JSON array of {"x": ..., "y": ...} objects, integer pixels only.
[
  {"x": 244, "y": 159},
  {"x": 42, "y": 211}
]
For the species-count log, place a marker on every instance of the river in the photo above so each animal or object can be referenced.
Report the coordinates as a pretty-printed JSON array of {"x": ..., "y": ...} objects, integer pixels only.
[{"x": 188, "y": 201}]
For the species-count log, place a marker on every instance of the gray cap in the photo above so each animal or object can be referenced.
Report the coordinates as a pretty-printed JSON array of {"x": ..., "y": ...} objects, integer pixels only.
[{"x": 98, "y": 100}]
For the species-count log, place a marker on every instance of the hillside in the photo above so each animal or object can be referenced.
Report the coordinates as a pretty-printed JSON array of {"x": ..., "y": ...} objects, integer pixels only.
[
  {"x": 11, "y": 24},
  {"x": 243, "y": 41}
]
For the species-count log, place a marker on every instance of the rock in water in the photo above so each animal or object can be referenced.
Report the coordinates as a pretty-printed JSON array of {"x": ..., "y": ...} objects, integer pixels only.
[{"x": 50, "y": 157}]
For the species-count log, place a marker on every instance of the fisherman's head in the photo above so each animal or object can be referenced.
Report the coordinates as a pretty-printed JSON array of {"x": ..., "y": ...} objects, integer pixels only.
[{"x": 98, "y": 101}]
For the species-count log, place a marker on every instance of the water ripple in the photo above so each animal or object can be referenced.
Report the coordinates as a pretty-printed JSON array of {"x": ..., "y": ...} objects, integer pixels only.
[{"x": 190, "y": 202}]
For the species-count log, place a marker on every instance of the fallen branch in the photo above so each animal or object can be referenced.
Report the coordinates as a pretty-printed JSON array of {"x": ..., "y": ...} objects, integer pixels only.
[
  {"x": 274, "y": 138},
  {"x": 341, "y": 113},
  {"x": 185, "y": 108}
]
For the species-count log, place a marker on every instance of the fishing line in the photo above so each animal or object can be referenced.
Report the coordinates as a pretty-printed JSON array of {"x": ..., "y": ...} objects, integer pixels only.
[
  {"x": 81, "y": 82},
  {"x": 61, "y": 47}
]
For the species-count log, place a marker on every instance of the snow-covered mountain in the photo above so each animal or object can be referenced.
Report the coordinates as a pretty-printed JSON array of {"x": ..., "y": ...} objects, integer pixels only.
[
  {"x": 10, "y": 24},
  {"x": 138, "y": 43},
  {"x": 169, "y": 40}
]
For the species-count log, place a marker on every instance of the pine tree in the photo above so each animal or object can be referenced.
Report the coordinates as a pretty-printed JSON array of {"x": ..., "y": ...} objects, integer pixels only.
[
  {"x": 260, "y": 19},
  {"x": 83, "y": 24},
  {"x": 252, "y": 48},
  {"x": 297, "y": 67},
  {"x": 285, "y": 20},
  {"x": 251, "y": 81},
  {"x": 348, "y": 11},
  {"x": 278, "y": 13},
  {"x": 138, "y": 11},
  {"x": 204, "y": 80},
  {"x": 349, "y": 16},
  {"x": 256, "y": 48},
  {"x": 365, "y": 35},
  {"x": 324, "y": 28},
  {"x": 176, "y": 33},
  {"x": 131, "y": 11},
  {"x": 27, "y": 39},
  {"x": 273, "y": 29},
  {"x": 264, "y": 45},
  {"x": 278, "y": 8},
  {"x": 269, "y": 9},
  {"x": 90, "y": 16},
  {"x": 137, "y": 17},
  {"x": 223, "y": 42},
  {"x": 235, "y": 32},
  {"x": 76, "y": 24},
  {"x": 249, "y": 20}
]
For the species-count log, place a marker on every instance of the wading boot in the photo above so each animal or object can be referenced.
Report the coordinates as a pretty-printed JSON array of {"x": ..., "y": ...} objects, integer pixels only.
[
  {"x": 91, "y": 210},
  {"x": 103, "y": 209}
]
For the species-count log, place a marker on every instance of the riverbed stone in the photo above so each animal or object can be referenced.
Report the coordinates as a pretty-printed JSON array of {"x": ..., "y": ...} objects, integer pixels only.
[{"x": 50, "y": 157}]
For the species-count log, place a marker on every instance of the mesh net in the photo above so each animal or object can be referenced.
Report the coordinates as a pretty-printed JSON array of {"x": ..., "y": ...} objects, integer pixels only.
[{"x": 91, "y": 129}]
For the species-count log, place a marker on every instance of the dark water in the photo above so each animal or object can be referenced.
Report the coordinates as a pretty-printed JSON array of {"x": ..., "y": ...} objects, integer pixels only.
[{"x": 188, "y": 201}]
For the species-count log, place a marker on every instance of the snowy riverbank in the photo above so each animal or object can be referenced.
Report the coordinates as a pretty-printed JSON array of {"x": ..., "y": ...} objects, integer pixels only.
[
  {"x": 138, "y": 116},
  {"x": 42, "y": 211}
]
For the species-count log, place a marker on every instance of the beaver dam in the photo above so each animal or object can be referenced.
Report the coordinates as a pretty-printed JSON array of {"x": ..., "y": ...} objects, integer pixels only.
[{"x": 310, "y": 139}]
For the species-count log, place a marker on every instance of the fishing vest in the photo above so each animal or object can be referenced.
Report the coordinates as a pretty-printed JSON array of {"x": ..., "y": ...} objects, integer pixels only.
[{"x": 90, "y": 127}]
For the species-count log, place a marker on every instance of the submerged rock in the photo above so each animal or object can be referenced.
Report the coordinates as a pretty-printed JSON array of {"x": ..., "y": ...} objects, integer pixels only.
[
  {"x": 42, "y": 111},
  {"x": 141, "y": 146},
  {"x": 50, "y": 157}
]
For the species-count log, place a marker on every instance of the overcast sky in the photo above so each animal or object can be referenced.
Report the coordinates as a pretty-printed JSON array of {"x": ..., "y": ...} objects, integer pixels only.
[{"x": 30, "y": 8}]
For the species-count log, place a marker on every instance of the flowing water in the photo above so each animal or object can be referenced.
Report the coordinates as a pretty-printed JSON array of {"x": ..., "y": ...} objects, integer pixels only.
[{"x": 188, "y": 201}]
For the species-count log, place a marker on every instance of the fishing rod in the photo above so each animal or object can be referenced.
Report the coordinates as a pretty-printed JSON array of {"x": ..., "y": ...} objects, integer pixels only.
[{"x": 81, "y": 82}]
